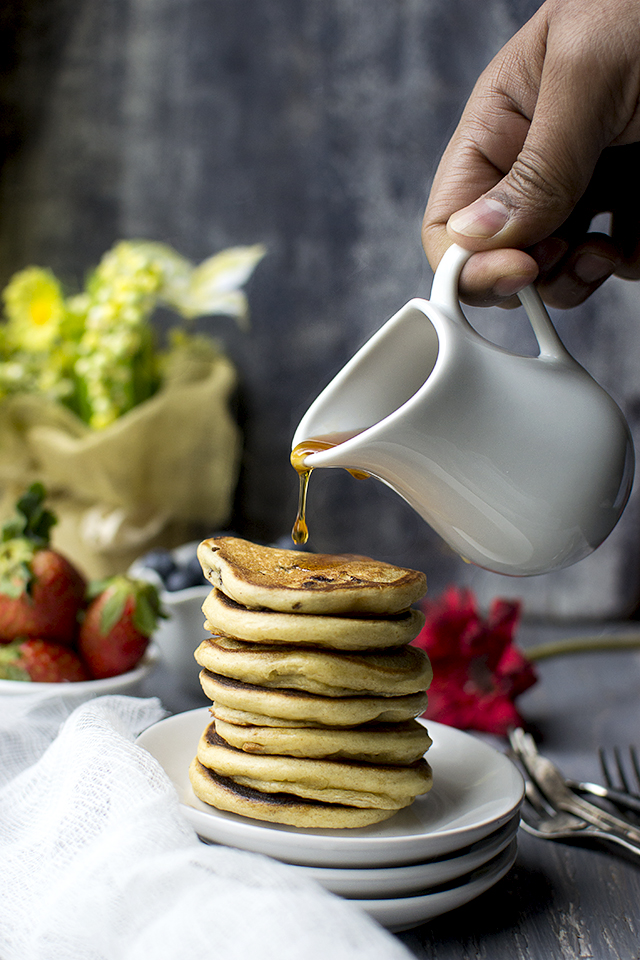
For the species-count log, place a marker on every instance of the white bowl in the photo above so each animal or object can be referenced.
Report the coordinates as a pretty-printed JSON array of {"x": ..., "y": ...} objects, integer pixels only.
[
  {"x": 183, "y": 631},
  {"x": 87, "y": 689}
]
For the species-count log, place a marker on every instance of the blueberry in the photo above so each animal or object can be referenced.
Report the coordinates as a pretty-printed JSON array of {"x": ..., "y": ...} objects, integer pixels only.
[
  {"x": 161, "y": 561},
  {"x": 194, "y": 568},
  {"x": 180, "y": 579}
]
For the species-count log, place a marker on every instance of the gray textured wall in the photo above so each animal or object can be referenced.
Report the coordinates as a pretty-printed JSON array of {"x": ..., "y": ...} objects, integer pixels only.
[{"x": 313, "y": 126}]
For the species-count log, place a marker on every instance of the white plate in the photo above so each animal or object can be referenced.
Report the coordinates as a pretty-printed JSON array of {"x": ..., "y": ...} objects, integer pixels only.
[
  {"x": 382, "y": 882},
  {"x": 88, "y": 688},
  {"x": 401, "y": 914},
  {"x": 476, "y": 790}
]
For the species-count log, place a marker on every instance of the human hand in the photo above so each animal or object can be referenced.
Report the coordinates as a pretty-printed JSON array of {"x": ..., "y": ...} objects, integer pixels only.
[{"x": 548, "y": 139}]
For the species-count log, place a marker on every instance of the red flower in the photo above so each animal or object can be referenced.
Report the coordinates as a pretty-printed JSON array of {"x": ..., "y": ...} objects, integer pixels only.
[{"x": 477, "y": 670}]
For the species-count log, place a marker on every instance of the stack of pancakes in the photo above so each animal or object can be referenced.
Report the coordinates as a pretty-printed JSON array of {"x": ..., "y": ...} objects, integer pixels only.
[{"x": 315, "y": 688}]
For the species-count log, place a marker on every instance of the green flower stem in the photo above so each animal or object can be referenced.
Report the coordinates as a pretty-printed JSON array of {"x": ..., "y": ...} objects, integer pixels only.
[{"x": 603, "y": 644}]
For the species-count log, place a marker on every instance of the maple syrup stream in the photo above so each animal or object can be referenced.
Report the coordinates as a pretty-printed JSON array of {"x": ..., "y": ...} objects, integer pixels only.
[{"x": 300, "y": 532}]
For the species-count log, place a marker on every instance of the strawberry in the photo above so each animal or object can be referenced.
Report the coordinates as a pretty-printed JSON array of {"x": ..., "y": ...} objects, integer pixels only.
[
  {"x": 40, "y": 661},
  {"x": 41, "y": 592},
  {"x": 117, "y": 625}
]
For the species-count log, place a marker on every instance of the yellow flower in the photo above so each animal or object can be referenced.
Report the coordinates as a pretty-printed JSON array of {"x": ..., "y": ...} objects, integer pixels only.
[{"x": 34, "y": 309}]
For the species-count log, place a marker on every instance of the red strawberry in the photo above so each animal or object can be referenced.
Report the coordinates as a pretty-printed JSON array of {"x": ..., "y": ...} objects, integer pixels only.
[
  {"x": 117, "y": 626},
  {"x": 41, "y": 592},
  {"x": 40, "y": 661}
]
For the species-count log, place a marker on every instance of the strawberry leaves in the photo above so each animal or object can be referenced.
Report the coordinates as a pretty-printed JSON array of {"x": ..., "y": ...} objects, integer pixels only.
[
  {"x": 31, "y": 521},
  {"x": 115, "y": 593},
  {"x": 16, "y": 575},
  {"x": 28, "y": 530},
  {"x": 12, "y": 666}
]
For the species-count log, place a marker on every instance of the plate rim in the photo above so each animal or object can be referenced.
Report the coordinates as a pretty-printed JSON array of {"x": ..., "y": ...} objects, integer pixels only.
[
  {"x": 318, "y": 847},
  {"x": 403, "y": 913},
  {"x": 409, "y": 879}
]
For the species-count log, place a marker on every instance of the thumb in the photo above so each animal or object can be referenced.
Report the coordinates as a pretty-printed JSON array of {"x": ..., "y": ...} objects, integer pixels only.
[{"x": 548, "y": 176}]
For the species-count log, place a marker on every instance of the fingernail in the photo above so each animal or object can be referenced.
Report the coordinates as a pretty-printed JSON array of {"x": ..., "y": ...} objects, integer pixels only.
[
  {"x": 507, "y": 286},
  {"x": 481, "y": 219},
  {"x": 590, "y": 268}
]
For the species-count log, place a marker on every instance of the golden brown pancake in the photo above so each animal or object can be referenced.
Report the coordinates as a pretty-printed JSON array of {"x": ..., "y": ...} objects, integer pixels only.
[
  {"x": 226, "y": 616},
  {"x": 224, "y": 794},
  {"x": 245, "y": 718},
  {"x": 332, "y": 781},
  {"x": 294, "y": 581},
  {"x": 373, "y": 743},
  {"x": 386, "y": 672},
  {"x": 299, "y": 705}
]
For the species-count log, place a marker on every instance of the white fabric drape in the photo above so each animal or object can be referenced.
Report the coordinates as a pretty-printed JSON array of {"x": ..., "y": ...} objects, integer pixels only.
[{"x": 97, "y": 861}]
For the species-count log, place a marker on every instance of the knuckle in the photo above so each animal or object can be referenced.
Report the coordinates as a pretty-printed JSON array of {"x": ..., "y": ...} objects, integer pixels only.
[
  {"x": 543, "y": 183},
  {"x": 527, "y": 177}
]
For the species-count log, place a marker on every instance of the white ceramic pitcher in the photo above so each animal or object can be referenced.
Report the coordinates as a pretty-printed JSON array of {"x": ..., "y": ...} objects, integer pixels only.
[{"x": 522, "y": 464}]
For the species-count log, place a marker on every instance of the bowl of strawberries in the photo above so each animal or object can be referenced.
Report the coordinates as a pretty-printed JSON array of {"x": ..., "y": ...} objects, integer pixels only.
[{"x": 58, "y": 632}]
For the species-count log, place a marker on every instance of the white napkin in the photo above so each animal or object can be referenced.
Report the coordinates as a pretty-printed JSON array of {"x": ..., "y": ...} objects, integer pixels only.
[{"x": 97, "y": 861}]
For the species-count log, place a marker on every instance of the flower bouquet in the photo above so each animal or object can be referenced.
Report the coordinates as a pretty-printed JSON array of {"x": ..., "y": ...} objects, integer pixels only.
[{"x": 134, "y": 443}]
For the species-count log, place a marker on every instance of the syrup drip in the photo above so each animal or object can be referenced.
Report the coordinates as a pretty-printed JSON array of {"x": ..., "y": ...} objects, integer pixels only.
[{"x": 300, "y": 532}]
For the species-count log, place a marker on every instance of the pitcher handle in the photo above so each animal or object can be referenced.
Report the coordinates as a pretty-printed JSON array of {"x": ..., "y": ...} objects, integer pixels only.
[{"x": 444, "y": 294}]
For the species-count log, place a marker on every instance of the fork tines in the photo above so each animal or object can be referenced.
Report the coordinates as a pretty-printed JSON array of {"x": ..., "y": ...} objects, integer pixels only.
[{"x": 623, "y": 781}]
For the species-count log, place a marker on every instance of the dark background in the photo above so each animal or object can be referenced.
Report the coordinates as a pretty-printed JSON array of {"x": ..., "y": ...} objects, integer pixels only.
[{"x": 314, "y": 127}]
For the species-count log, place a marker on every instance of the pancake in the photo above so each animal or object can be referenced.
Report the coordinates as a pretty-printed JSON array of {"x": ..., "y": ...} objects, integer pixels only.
[
  {"x": 375, "y": 743},
  {"x": 225, "y": 615},
  {"x": 299, "y": 705},
  {"x": 334, "y": 674},
  {"x": 245, "y": 718},
  {"x": 332, "y": 781},
  {"x": 224, "y": 794},
  {"x": 294, "y": 581}
]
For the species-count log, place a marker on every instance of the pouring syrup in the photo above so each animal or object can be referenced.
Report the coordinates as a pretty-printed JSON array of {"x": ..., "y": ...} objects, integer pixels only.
[{"x": 300, "y": 531}]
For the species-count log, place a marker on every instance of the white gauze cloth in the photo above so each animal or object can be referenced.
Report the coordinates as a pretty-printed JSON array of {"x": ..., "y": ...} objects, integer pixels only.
[{"x": 97, "y": 862}]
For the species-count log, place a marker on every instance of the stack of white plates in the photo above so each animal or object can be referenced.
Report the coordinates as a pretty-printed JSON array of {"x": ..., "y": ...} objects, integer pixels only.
[{"x": 445, "y": 849}]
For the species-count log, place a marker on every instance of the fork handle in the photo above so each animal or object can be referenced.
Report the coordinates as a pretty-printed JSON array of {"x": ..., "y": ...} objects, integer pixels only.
[
  {"x": 618, "y": 797},
  {"x": 615, "y": 837},
  {"x": 598, "y": 817}
]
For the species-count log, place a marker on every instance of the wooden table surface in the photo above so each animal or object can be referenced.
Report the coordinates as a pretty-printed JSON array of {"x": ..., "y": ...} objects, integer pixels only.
[{"x": 561, "y": 901}]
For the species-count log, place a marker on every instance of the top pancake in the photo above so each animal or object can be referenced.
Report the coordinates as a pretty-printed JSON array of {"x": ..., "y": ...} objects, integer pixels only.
[{"x": 293, "y": 581}]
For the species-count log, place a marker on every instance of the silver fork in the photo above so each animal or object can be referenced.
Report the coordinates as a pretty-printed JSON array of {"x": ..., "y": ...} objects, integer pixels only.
[
  {"x": 619, "y": 798},
  {"x": 622, "y": 782},
  {"x": 540, "y": 820},
  {"x": 551, "y": 785}
]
